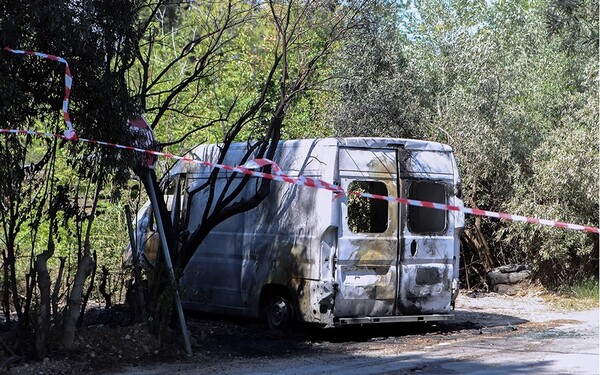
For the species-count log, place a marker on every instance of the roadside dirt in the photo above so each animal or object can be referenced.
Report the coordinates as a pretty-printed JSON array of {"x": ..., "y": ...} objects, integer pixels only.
[{"x": 107, "y": 345}]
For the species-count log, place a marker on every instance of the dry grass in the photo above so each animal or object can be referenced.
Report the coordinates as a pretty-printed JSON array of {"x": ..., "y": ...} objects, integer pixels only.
[{"x": 583, "y": 295}]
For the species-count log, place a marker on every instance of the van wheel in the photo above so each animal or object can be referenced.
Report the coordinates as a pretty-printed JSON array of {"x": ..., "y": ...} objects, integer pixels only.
[{"x": 280, "y": 314}]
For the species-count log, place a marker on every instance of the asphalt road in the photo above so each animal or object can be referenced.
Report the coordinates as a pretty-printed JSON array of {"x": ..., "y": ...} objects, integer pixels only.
[{"x": 489, "y": 336}]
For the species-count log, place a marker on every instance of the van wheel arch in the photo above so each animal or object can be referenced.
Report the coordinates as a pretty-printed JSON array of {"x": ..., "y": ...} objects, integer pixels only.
[{"x": 278, "y": 307}]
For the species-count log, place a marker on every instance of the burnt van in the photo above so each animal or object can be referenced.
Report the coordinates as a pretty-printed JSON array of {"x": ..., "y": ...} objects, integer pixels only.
[{"x": 309, "y": 255}]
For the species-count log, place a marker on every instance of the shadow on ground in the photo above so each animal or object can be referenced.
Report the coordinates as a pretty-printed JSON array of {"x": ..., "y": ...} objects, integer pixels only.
[{"x": 252, "y": 338}]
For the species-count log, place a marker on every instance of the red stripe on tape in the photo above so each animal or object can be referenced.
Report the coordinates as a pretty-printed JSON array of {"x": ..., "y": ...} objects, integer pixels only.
[
  {"x": 505, "y": 216},
  {"x": 309, "y": 182}
]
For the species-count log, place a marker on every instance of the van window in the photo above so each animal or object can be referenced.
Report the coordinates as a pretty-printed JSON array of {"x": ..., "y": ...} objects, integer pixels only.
[
  {"x": 367, "y": 215},
  {"x": 422, "y": 219}
]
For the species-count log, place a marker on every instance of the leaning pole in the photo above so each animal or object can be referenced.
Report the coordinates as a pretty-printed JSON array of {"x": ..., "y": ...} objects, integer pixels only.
[{"x": 165, "y": 251}]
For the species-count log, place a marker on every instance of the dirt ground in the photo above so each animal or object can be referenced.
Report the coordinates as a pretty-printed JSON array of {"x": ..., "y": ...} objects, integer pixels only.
[{"x": 224, "y": 345}]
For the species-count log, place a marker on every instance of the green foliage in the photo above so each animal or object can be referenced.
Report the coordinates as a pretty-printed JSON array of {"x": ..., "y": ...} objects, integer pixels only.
[
  {"x": 587, "y": 288},
  {"x": 375, "y": 92},
  {"x": 563, "y": 185},
  {"x": 359, "y": 208},
  {"x": 306, "y": 117},
  {"x": 576, "y": 21},
  {"x": 171, "y": 35},
  {"x": 520, "y": 110},
  {"x": 237, "y": 63}
]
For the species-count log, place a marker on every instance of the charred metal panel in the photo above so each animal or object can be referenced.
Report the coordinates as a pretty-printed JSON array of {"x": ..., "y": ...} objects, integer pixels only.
[
  {"x": 427, "y": 275},
  {"x": 428, "y": 251},
  {"x": 425, "y": 289},
  {"x": 213, "y": 276},
  {"x": 367, "y": 262}
]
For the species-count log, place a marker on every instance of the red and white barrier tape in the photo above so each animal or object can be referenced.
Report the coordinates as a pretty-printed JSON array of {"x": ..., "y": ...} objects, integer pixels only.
[
  {"x": 277, "y": 175},
  {"x": 69, "y": 133},
  {"x": 439, "y": 206}
]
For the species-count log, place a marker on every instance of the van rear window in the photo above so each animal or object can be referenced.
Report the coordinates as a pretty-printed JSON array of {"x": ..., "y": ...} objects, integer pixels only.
[
  {"x": 422, "y": 219},
  {"x": 367, "y": 215}
]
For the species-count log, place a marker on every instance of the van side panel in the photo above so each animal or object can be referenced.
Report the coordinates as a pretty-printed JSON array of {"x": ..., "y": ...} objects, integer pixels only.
[
  {"x": 281, "y": 242},
  {"x": 212, "y": 278}
]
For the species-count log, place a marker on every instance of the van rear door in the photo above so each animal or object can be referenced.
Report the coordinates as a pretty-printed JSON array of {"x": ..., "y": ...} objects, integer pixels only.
[
  {"x": 427, "y": 244},
  {"x": 366, "y": 267}
]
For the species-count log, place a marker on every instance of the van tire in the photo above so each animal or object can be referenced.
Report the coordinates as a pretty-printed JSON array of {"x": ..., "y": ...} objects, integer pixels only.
[{"x": 280, "y": 314}]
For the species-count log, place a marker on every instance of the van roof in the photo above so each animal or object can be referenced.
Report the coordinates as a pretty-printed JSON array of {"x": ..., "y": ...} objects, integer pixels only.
[
  {"x": 412, "y": 144},
  {"x": 210, "y": 152},
  {"x": 377, "y": 142}
]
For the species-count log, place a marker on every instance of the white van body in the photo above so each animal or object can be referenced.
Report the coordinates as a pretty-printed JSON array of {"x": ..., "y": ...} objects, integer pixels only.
[{"x": 335, "y": 259}]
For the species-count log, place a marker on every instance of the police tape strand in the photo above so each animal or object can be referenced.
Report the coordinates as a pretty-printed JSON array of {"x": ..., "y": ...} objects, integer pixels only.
[
  {"x": 277, "y": 175},
  {"x": 70, "y": 135}
]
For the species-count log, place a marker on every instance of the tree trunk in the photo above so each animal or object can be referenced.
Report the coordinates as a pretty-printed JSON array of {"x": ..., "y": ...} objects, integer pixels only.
[
  {"x": 84, "y": 268},
  {"x": 5, "y": 289},
  {"x": 42, "y": 323},
  {"x": 86, "y": 296},
  {"x": 57, "y": 285},
  {"x": 476, "y": 240},
  {"x": 102, "y": 287},
  {"x": 11, "y": 280}
]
